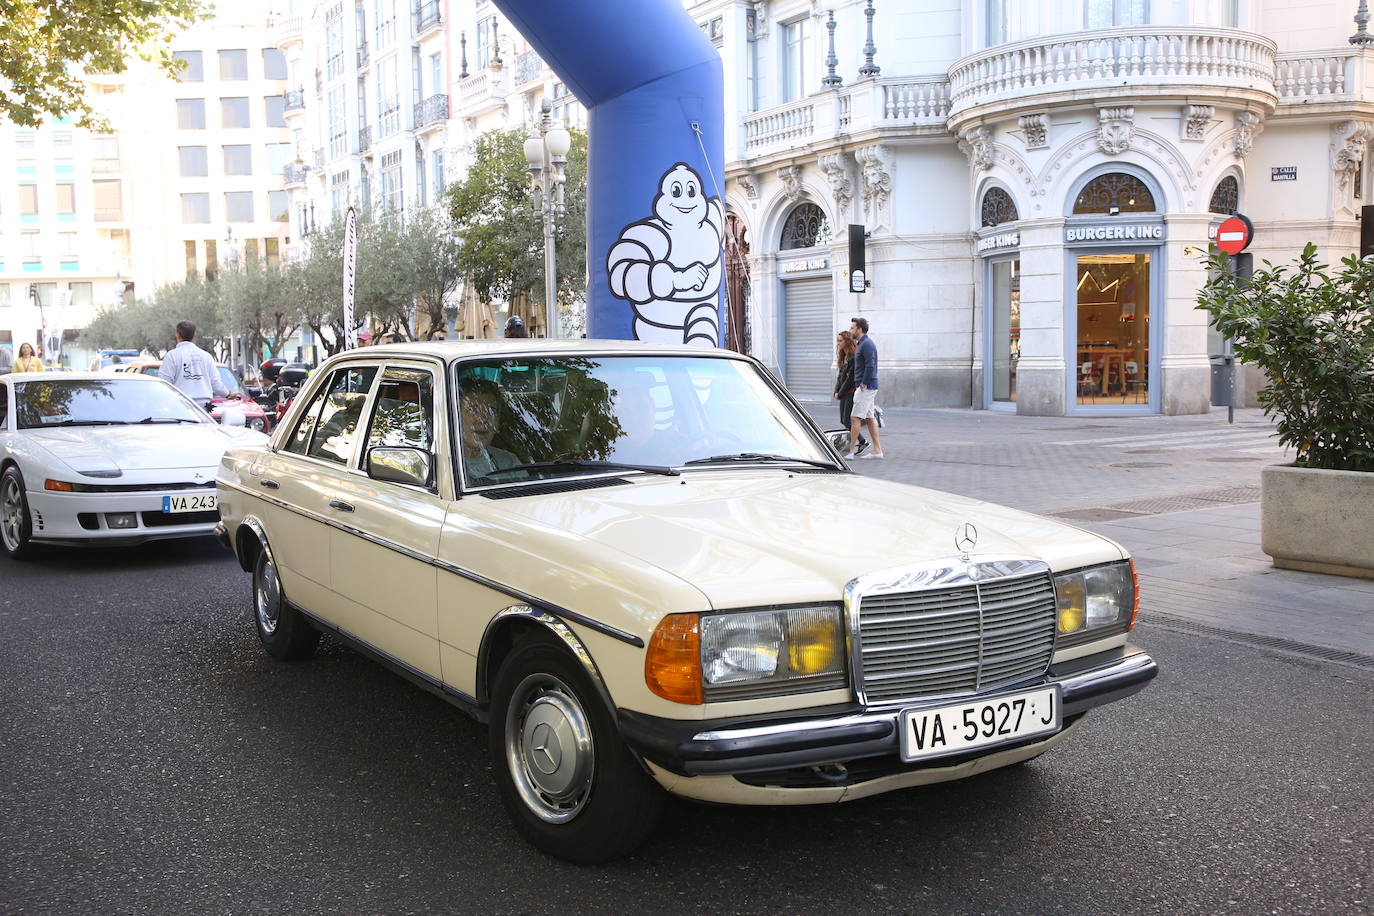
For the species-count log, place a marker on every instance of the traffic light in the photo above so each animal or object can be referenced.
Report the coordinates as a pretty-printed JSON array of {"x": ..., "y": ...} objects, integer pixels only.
[{"x": 33, "y": 291}]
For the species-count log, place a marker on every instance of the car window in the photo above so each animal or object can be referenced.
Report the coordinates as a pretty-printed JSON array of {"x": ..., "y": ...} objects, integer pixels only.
[
  {"x": 231, "y": 381},
  {"x": 4, "y": 406},
  {"x": 300, "y": 436},
  {"x": 341, "y": 407},
  {"x": 403, "y": 413},
  {"x": 110, "y": 401}
]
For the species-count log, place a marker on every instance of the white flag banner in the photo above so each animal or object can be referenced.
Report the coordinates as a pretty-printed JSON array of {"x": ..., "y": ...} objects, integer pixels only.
[{"x": 350, "y": 261}]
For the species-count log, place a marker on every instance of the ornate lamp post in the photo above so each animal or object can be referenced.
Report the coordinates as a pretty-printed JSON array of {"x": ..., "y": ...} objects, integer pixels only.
[{"x": 547, "y": 152}]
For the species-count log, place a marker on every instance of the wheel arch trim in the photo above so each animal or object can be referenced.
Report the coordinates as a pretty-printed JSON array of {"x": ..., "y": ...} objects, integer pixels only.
[
  {"x": 551, "y": 624},
  {"x": 251, "y": 525}
]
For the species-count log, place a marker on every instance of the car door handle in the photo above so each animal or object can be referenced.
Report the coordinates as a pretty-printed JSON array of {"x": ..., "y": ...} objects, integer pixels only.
[
  {"x": 269, "y": 484},
  {"x": 340, "y": 505}
]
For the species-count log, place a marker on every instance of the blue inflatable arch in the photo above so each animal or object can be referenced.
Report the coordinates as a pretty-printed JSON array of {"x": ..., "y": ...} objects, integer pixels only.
[{"x": 653, "y": 86}]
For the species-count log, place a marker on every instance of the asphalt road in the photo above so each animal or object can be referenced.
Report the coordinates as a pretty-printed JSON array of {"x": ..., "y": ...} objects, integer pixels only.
[{"x": 154, "y": 760}]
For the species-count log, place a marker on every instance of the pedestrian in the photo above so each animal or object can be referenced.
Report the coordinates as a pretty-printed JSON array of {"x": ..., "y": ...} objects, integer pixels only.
[
  {"x": 28, "y": 361},
  {"x": 515, "y": 327},
  {"x": 844, "y": 382},
  {"x": 866, "y": 390},
  {"x": 6, "y": 360},
  {"x": 191, "y": 370}
]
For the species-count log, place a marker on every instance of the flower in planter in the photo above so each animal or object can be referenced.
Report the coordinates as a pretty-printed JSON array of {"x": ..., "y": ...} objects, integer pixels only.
[{"x": 1311, "y": 329}]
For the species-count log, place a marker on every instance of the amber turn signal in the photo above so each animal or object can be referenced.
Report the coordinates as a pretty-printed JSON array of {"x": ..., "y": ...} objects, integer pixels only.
[
  {"x": 1135, "y": 592},
  {"x": 60, "y": 485},
  {"x": 672, "y": 664}
]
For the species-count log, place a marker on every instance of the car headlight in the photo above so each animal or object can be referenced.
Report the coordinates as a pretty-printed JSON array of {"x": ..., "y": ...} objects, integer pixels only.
[
  {"x": 1096, "y": 602},
  {"x": 258, "y": 423},
  {"x": 740, "y": 655}
]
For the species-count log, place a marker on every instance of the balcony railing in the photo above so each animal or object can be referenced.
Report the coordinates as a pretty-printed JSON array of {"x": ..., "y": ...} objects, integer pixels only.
[
  {"x": 1221, "y": 59},
  {"x": 295, "y": 174},
  {"x": 529, "y": 66},
  {"x": 426, "y": 16},
  {"x": 363, "y": 56},
  {"x": 432, "y": 111},
  {"x": 294, "y": 99},
  {"x": 290, "y": 30},
  {"x": 481, "y": 92},
  {"x": 918, "y": 103},
  {"x": 1307, "y": 78},
  {"x": 365, "y": 139}
]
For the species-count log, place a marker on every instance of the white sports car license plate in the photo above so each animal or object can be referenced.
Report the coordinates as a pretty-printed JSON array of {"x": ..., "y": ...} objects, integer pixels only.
[
  {"x": 190, "y": 502},
  {"x": 980, "y": 723}
]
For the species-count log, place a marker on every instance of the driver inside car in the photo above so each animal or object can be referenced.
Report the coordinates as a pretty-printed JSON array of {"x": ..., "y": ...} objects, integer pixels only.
[{"x": 480, "y": 406}]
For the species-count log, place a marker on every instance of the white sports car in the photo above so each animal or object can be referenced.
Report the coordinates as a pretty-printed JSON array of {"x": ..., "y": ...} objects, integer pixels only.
[{"x": 86, "y": 457}]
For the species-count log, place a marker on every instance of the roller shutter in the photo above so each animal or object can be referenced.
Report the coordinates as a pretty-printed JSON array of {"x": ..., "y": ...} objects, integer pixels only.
[{"x": 808, "y": 313}]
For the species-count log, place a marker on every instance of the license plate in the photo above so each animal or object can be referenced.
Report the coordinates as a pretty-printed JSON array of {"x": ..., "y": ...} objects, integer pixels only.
[
  {"x": 190, "y": 502},
  {"x": 948, "y": 730}
]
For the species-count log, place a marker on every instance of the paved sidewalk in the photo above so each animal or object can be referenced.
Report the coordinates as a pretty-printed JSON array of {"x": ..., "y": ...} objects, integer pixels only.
[{"x": 1180, "y": 493}]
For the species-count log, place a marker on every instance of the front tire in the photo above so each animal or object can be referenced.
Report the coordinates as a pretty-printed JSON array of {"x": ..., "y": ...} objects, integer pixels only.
[
  {"x": 16, "y": 525},
  {"x": 284, "y": 631},
  {"x": 566, "y": 778}
]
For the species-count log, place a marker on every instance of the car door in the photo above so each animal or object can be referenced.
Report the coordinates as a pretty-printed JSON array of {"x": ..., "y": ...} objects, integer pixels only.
[
  {"x": 300, "y": 481},
  {"x": 381, "y": 559}
]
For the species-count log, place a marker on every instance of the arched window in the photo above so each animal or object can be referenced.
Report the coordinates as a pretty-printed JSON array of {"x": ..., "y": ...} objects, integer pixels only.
[
  {"x": 1226, "y": 196},
  {"x": 1113, "y": 193},
  {"x": 806, "y": 227},
  {"x": 998, "y": 207}
]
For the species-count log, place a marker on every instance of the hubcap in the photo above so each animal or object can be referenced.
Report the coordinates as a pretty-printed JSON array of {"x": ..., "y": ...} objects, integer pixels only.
[
  {"x": 549, "y": 748},
  {"x": 267, "y": 595},
  {"x": 11, "y": 513}
]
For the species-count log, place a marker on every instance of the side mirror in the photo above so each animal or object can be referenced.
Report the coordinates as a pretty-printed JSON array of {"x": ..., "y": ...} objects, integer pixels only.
[
  {"x": 399, "y": 465},
  {"x": 232, "y": 416}
]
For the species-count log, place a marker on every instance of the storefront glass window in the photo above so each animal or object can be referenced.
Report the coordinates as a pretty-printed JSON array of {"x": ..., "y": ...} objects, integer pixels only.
[
  {"x": 1113, "y": 328},
  {"x": 1006, "y": 328}
]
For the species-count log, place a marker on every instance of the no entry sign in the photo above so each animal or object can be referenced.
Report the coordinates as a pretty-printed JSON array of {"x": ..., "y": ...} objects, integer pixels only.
[{"x": 1234, "y": 234}]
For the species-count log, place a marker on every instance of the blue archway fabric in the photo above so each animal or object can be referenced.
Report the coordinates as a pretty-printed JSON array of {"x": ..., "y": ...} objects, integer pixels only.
[{"x": 653, "y": 86}]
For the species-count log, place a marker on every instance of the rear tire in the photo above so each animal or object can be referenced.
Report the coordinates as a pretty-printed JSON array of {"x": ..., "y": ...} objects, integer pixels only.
[
  {"x": 284, "y": 631},
  {"x": 16, "y": 525},
  {"x": 567, "y": 779}
]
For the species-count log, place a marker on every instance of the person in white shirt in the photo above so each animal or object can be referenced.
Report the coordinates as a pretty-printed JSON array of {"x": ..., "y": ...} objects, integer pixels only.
[
  {"x": 191, "y": 369},
  {"x": 480, "y": 406}
]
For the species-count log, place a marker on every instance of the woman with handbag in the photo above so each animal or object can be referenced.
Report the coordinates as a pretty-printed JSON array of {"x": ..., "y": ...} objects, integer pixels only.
[{"x": 845, "y": 348}]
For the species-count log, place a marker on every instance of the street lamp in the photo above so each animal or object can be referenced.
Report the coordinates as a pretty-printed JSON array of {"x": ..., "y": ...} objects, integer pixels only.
[
  {"x": 231, "y": 250},
  {"x": 547, "y": 153}
]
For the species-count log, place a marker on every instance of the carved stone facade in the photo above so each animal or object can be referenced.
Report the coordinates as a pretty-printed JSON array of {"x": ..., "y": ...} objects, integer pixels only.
[
  {"x": 976, "y": 143},
  {"x": 841, "y": 186},
  {"x": 1196, "y": 120},
  {"x": 1348, "y": 142},
  {"x": 1248, "y": 126},
  {"x": 1115, "y": 129},
  {"x": 790, "y": 176},
  {"x": 876, "y": 163},
  {"x": 1036, "y": 129},
  {"x": 749, "y": 185}
]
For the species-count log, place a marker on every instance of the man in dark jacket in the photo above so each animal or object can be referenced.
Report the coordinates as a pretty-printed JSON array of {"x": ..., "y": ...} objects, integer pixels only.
[{"x": 866, "y": 390}]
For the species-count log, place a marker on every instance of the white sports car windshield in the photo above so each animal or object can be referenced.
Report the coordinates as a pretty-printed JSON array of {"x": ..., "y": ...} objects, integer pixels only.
[
  {"x": 547, "y": 417},
  {"x": 99, "y": 402}
]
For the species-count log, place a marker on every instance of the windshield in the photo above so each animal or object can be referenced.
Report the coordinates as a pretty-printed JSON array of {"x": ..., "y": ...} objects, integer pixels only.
[
  {"x": 99, "y": 402},
  {"x": 574, "y": 415}
]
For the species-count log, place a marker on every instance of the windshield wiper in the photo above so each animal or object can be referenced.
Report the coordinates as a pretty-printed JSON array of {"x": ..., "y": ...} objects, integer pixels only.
[
  {"x": 761, "y": 456},
  {"x": 167, "y": 420},
  {"x": 587, "y": 463},
  {"x": 82, "y": 423}
]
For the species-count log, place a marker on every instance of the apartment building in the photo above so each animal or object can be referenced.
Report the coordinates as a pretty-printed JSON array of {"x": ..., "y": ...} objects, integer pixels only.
[
  {"x": 188, "y": 179},
  {"x": 1036, "y": 180}
]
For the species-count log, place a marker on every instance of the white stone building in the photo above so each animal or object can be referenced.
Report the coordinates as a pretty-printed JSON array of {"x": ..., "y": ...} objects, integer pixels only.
[
  {"x": 1036, "y": 179},
  {"x": 188, "y": 179}
]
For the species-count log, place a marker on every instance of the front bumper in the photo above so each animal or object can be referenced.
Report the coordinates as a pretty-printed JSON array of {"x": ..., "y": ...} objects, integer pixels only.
[
  {"x": 844, "y": 734},
  {"x": 75, "y": 519}
]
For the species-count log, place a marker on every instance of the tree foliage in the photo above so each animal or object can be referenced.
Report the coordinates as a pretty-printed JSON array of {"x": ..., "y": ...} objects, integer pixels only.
[
  {"x": 502, "y": 235},
  {"x": 1312, "y": 331},
  {"x": 46, "y": 45}
]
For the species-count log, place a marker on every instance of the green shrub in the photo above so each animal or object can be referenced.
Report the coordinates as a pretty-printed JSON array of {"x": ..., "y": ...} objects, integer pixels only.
[{"x": 1311, "y": 330}]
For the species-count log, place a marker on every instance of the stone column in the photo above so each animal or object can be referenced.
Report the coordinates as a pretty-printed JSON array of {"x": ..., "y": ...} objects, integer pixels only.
[
  {"x": 1041, "y": 379},
  {"x": 1185, "y": 371}
]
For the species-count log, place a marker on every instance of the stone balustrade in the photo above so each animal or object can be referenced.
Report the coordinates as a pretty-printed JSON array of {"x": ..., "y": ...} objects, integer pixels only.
[
  {"x": 787, "y": 125},
  {"x": 890, "y": 102},
  {"x": 1305, "y": 77},
  {"x": 289, "y": 30},
  {"x": 924, "y": 99},
  {"x": 1147, "y": 56}
]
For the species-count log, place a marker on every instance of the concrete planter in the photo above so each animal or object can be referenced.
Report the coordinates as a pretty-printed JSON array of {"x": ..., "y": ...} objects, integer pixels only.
[{"x": 1317, "y": 520}]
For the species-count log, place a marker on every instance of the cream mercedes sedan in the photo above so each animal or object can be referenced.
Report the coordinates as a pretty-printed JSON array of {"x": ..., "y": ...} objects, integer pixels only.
[{"x": 645, "y": 569}]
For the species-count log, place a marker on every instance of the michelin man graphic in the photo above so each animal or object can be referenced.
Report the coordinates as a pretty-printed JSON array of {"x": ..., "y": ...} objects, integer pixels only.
[{"x": 669, "y": 265}]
